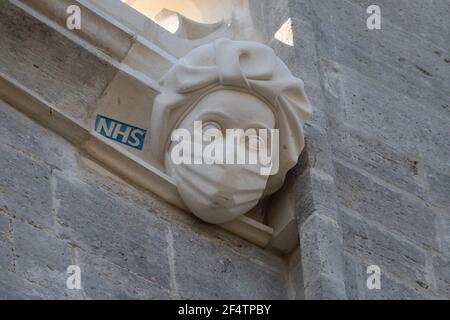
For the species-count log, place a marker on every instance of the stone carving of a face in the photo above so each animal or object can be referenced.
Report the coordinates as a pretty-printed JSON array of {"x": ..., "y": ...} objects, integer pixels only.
[
  {"x": 229, "y": 84},
  {"x": 221, "y": 192}
]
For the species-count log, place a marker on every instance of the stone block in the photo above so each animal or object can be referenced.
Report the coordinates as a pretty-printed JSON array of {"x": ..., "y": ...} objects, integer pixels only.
[
  {"x": 444, "y": 229},
  {"x": 325, "y": 288},
  {"x": 16, "y": 287},
  {"x": 425, "y": 21},
  {"x": 395, "y": 83},
  {"x": 295, "y": 276},
  {"x": 416, "y": 58},
  {"x": 101, "y": 279},
  {"x": 321, "y": 249},
  {"x": 25, "y": 188},
  {"x": 301, "y": 9},
  {"x": 442, "y": 274},
  {"x": 6, "y": 252},
  {"x": 112, "y": 229},
  {"x": 314, "y": 192},
  {"x": 42, "y": 259},
  {"x": 394, "y": 210},
  {"x": 43, "y": 60},
  {"x": 439, "y": 185},
  {"x": 21, "y": 133},
  {"x": 382, "y": 161},
  {"x": 306, "y": 60},
  {"x": 396, "y": 119},
  {"x": 268, "y": 17},
  {"x": 390, "y": 287},
  {"x": 318, "y": 150},
  {"x": 377, "y": 246},
  {"x": 353, "y": 280},
  {"x": 205, "y": 269}
]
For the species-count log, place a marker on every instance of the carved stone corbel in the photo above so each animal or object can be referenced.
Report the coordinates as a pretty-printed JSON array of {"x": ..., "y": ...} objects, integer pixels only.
[
  {"x": 229, "y": 85},
  {"x": 127, "y": 61}
]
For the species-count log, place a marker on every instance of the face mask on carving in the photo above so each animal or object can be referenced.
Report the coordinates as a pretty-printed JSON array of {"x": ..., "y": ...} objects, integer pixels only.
[
  {"x": 220, "y": 192},
  {"x": 254, "y": 89}
]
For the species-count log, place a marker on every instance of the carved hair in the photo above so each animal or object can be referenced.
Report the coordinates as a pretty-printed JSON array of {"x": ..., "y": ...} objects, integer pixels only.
[{"x": 244, "y": 65}]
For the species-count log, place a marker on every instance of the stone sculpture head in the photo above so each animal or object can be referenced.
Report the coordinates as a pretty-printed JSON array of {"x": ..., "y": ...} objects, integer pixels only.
[{"x": 229, "y": 85}]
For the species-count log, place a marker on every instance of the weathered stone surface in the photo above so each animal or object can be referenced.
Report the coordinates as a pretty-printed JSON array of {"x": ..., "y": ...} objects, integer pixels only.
[
  {"x": 295, "y": 281},
  {"x": 393, "y": 210},
  {"x": 388, "y": 117},
  {"x": 418, "y": 59},
  {"x": 353, "y": 281},
  {"x": 315, "y": 192},
  {"x": 46, "y": 62},
  {"x": 318, "y": 150},
  {"x": 321, "y": 247},
  {"x": 439, "y": 184},
  {"x": 6, "y": 252},
  {"x": 268, "y": 17},
  {"x": 203, "y": 267},
  {"x": 428, "y": 21},
  {"x": 325, "y": 288},
  {"x": 444, "y": 229},
  {"x": 303, "y": 62},
  {"x": 306, "y": 60},
  {"x": 42, "y": 259},
  {"x": 381, "y": 95},
  {"x": 381, "y": 160},
  {"x": 391, "y": 289},
  {"x": 117, "y": 231},
  {"x": 15, "y": 287},
  {"x": 394, "y": 83},
  {"x": 396, "y": 119},
  {"x": 21, "y": 133},
  {"x": 377, "y": 246},
  {"x": 442, "y": 273},
  {"x": 101, "y": 279},
  {"x": 25, "y": 190}
]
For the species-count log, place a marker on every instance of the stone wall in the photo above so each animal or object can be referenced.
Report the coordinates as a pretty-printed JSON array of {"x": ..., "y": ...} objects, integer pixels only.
[
  {"x": 59, "y": 208},
  {"x": 372, "y": 187},
  {"x": 56, "y": 211},
  {"x": 380, "y": 139}
]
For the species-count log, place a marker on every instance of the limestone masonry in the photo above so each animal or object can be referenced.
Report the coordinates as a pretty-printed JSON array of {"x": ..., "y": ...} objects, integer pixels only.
[{"x": 364, "y": 213}]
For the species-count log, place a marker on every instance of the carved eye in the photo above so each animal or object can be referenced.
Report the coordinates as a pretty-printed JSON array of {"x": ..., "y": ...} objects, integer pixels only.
[
  {"x": 256, "y": 142},
  {"x": 210, "y": 126}
]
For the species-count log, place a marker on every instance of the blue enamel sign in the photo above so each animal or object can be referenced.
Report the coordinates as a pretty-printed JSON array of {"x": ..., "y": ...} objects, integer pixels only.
[{"x": 121, "y": 132}]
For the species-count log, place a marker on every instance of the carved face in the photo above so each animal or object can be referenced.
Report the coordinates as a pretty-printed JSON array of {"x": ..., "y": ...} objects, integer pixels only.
[{"x": 218, "y": 193}]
